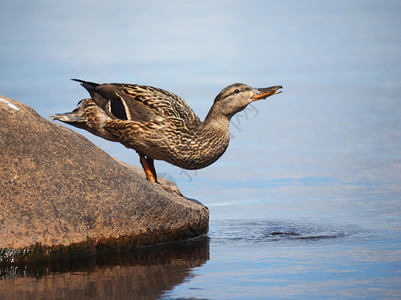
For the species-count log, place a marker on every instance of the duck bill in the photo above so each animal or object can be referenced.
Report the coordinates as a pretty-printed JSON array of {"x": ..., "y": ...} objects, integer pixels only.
[{"x": 259, "y": 94}]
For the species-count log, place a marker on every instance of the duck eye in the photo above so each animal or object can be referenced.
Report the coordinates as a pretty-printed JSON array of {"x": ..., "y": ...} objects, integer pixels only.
[{"x": 236, "y": 91}]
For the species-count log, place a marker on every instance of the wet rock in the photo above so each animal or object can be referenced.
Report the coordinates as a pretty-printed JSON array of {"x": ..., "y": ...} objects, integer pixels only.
[{"x": 60, "y": 194}]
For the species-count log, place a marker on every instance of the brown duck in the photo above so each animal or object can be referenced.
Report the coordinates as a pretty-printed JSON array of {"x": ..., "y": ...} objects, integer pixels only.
[{"x": 159, "y": 124}]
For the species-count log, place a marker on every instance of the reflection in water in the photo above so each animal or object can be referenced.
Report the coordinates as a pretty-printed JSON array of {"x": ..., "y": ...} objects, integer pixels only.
[
  {"x": 154, "y": 272},
  {"x": 139, "y": 274}
]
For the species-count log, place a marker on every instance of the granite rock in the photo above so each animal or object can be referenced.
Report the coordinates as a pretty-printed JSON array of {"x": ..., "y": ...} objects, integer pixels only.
[{"x": 58, "y": 190}]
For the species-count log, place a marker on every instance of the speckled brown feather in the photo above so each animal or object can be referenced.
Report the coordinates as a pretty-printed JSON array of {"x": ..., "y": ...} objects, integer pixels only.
[{"x": 159, "y": 124}]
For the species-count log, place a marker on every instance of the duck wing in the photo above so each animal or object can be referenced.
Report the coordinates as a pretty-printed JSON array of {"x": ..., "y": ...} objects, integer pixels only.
[{"x": 140, "y": 103}]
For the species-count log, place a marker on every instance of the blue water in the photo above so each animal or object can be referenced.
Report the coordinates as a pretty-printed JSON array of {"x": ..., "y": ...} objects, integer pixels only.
[{"x": 306, "y": 202}]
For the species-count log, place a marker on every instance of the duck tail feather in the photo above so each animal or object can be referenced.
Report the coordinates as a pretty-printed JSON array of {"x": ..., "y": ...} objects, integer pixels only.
[
  {"x": 69, "y": 118},
  {"x": 89, "y": 86}
]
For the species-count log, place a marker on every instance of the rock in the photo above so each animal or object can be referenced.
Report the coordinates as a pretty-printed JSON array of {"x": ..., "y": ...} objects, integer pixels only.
[{"x": 61, "y": 195}]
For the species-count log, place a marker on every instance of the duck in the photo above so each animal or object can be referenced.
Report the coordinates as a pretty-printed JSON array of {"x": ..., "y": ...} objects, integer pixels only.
[{"x": 158, "y": 124}]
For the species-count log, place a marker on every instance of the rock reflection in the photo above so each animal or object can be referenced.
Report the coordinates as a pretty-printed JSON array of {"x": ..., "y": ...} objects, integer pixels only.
[{"x": 139, "y": 274}]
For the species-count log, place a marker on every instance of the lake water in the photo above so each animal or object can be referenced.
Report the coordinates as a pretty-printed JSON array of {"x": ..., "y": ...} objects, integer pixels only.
[{"x": 305, "y": 203}]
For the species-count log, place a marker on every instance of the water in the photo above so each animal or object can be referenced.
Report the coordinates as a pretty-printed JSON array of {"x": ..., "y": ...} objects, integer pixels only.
[
  {"x": 278, "y": 259},
  {"x": 305, "y": 203}
]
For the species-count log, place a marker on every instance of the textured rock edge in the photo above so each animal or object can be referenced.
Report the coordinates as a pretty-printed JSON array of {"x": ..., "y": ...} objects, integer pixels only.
[{"x": 38, "y": 253}]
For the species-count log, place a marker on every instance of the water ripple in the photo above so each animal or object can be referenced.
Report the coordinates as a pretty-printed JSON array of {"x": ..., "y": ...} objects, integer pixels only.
[{"x": 261, "y": 231}]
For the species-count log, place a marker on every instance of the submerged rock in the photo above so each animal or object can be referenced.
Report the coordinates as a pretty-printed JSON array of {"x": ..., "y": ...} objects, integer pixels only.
[{"x": 61, "y": 195}]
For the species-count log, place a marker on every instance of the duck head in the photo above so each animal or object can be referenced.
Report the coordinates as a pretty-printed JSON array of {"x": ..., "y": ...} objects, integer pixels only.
[{"x": 237, "y": 96}]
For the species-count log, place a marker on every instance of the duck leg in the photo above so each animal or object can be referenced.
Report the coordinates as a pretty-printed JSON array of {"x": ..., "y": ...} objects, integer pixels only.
[
  {"x": 150, "y": 171},
  {"x": 151, "y": 163},
  {"x": 149, "y": 167}
]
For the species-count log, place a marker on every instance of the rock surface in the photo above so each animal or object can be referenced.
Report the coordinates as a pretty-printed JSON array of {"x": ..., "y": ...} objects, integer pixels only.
[{"x": 60, "y": 193}]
